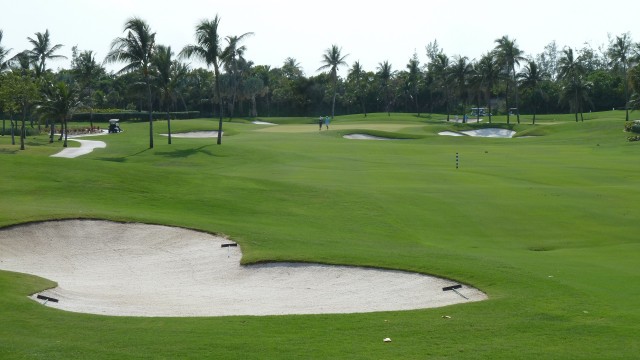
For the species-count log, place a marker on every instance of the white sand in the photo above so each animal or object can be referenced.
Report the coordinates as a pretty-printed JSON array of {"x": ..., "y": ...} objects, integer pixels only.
[
  {"x": 489, "y": 133},
  {"x": 364, "y": 137},
  {"x": 258, "y": 122},
  {"x": 86, "y": 146},
  {"x": 195, "y": 134},
  {"x": 148, "y": 270},
  {"x": 450, "y": 133}
]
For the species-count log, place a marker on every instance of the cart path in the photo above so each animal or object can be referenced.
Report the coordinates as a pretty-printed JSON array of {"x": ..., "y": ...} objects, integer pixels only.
[{"x": 86, "y": 146}]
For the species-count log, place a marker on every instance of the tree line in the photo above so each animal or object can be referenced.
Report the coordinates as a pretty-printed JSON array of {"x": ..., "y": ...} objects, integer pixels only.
[{"x": 155, "y": 78}]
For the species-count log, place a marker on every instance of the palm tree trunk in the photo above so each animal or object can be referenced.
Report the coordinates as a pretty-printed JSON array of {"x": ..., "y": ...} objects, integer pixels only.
[
  {"x": 515, "y": 88},
  {"x": 626, "y": 94},
  {"x": 576, "y": 103},
  {"x": 217, "y": 75},
  {"x": 66, "y": 131},
  {"x": 23, "y": 129},
  {"x": 507, "y": 104},
  {"x": 13, "y": 129},
  {"x": 490, "y": 113},
  {"x": 333, "y": 102},
  {"x": 150, "y": 112},
  {"x": 52, "y": 127},
  {"x": 169, "y": 125}
]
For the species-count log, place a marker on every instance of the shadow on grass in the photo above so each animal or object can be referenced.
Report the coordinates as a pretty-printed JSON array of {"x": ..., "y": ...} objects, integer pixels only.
[
  {"x": 123, "y": 158},
  {"x": 184, "y": 153}
]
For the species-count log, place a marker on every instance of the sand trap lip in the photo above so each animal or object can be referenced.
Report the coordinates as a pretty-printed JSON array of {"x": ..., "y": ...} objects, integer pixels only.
[
  {"x": 111, "y": 268},
  {"x": 365, "y": 137},
  {"x": 195, "y": 134},
  {"x": 86, "y": 146},
  {"x": 488, "y": 133}
]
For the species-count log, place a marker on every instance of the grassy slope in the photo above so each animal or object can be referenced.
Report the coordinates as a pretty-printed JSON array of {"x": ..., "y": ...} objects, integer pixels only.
[{"x": 546, "y": 226}]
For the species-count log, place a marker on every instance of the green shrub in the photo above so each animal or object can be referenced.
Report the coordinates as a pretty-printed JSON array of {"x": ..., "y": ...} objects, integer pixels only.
[{"x": 123, "y": 115}]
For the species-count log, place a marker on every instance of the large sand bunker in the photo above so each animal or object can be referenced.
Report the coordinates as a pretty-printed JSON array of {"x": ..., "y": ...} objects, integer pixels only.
[{"x": 113, "y": 268}]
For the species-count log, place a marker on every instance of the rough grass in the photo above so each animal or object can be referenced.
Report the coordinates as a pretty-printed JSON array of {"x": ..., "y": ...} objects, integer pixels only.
[{"x": 547, "y": 226}]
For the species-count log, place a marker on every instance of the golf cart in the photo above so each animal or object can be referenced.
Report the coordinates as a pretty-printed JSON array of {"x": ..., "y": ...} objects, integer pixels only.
[{"x": 114, "y": 127}]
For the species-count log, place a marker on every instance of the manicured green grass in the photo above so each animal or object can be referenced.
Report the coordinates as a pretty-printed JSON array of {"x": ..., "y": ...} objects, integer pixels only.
[{"x": 545, "y": 225}]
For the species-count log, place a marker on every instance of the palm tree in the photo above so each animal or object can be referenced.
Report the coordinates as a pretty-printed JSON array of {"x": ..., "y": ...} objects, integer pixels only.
[
  {"x": 163, "y": 64},
  {"x": 332, "y": 59},
  {"x": 231, "y": 57},
  {"x": 253, "y": 87},
  {"x": 531, "y": 78},
  {"x": 3, "y": 54},
  {"x": 489, "y": 70},
  {"x": 21, "y": 62},
  {"x": 87, "y": 70},
  {"x": 510, "y": 55},
  {"x": 414, "y": 77},
  {"x": 42, "y": 51},
  {"x": 136, "y": 49},
  {"x": 385, "y": 73},
  {"x": 291, "y": 68},
  {"x": 571, "y": 70},
  {"x": 207, "y": 48},
  {"x": 620, "y": 54},
  {"x": 59, "y": 101},
  {"x": 441, "y": 70},
  {"x": 461, "y": 71},
  {"x": 634, "y": 80},
  {"x": 356, "y": 74}
]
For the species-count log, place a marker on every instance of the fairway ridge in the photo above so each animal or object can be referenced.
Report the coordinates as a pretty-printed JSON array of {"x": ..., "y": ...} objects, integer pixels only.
[{"x": 134, "y": 269}]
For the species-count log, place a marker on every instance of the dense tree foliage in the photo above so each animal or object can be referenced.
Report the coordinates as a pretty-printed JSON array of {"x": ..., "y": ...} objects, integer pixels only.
[{"x": 504, "y": 80}]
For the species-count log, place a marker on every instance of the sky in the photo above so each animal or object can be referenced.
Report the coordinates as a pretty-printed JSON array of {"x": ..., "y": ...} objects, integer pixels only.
[{"x": 370, "y": 32}]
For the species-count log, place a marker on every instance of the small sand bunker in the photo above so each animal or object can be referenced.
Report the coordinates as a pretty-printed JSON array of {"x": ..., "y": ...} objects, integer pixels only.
[
  {"x": 258, "y": 122},
  {"x": 195, "y": 134},
  {"x": 86, "y": 146},
  {"x": 112, "y": 268},
  {"x": 489, "y": 133},
  {"x": 365, "y": 137}
]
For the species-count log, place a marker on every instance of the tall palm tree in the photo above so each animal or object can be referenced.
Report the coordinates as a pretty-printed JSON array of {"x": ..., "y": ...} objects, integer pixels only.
[
  {"x": 620, "y": 54},
  {"x": 356, "y": 74},
  {"x": 87, "y": 70},
  {"x": 231, "y": 57},
  {"x": 414, "y": 77},
  {"x": 634, "y": 80},
  {"x": 163, "y": 64},
  {"x": 42, "y": 51},
  {"x": 58, "y": 101},
  {"x": 531, "y": 77},
  {"x": 208, "y": 49},
  {"x": 461, "y": 71},
  {"x": 384, "y": 74},
  {"x": 332, "y": 59},
  {"x": 291, "y": 68},
  {"x": 489, "y": 70},
  {"x": 3, "y": 55},
  {"x": 136, "y": 49},
  {"x": 440, "y": 69},
  {"x": 510, "y": 56},
  {"x": 571, "y": 70}
]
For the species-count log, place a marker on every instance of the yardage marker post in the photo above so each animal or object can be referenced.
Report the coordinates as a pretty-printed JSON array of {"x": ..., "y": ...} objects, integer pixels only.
[{"x": 457, "y": 160}]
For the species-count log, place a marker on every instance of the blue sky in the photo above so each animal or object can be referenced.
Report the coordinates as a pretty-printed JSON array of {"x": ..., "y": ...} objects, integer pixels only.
[{"x": 371, "y": 32}]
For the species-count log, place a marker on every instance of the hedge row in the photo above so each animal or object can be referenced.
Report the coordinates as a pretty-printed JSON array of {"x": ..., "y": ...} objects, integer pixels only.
[{"x": 134, "y": 116}]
